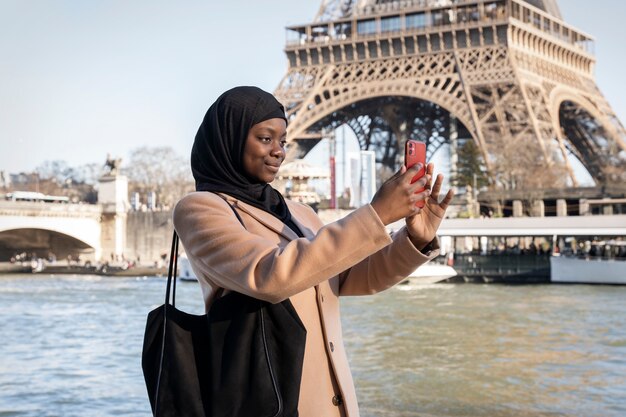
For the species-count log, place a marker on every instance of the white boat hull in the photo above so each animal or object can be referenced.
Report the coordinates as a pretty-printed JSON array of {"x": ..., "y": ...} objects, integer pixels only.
[
  {"x": 587, "y": 271},
  {"x": 431, "y": 273},
  {"x": 425, "y": 274}
]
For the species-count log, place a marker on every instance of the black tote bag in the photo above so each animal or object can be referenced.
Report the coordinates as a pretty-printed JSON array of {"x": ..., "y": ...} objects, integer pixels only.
[{"x": 242, "y": 359}]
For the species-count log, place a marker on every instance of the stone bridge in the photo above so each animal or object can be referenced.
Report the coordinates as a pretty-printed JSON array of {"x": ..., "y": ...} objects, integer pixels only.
[
  {"x": 95, "y": 232},
  {"x": 40, "y": 228}
]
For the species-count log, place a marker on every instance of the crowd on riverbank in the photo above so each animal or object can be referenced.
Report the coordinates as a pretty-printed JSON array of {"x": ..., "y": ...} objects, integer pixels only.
[
  {"x": 76, "y": 266},
  {"x": 73, "y": 264}
]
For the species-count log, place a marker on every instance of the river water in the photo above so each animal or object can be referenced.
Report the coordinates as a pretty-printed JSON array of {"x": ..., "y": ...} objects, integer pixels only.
[{"x": 71, "y": 346}]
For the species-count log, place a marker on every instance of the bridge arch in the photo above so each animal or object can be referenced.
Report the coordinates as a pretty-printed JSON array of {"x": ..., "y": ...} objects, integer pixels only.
[
  {"x": 41, "y": 242},
  {"x": 81, "y": 233}
]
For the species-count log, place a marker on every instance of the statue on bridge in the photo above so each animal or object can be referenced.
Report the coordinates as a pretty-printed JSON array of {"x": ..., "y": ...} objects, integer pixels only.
[{"x": 112, "y": 165}]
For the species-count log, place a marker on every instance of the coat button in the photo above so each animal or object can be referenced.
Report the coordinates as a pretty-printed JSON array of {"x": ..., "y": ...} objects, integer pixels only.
[
  {"x": 337, "y": 400},
  {"x": 332, "y": 347}
]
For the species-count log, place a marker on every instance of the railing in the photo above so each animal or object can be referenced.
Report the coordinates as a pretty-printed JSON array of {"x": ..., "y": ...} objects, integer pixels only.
[
  {"x": 405, "y": 22},
  {"x": 24, "y": 207},
  {"x": 457, "y": 15},
  {"x": 500, "y": 264}
]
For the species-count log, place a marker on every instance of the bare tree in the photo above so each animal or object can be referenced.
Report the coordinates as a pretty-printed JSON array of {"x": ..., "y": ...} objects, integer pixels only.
[
  {"x": 89, "y": 173},
  {"x": 58, "y": 178},
  {"x": 58, "y": 171},
  {"x": 159, "y": 169},
  {"x": 519, "y": 167}
]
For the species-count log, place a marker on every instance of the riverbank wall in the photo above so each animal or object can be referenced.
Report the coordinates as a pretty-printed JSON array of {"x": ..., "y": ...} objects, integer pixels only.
[{"x": 149, "y": 236}]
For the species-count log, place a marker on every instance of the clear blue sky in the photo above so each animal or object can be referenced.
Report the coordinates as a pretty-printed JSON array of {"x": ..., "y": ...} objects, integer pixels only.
[{"x": 83, "y": 78}]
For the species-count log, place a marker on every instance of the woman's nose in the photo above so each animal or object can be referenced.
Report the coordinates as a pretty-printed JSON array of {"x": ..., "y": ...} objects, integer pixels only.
[{"x": 278, "y": 151}]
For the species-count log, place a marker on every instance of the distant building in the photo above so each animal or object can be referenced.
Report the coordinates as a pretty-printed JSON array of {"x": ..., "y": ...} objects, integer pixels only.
[
  {"x": 5, "y": 180},
  {"x": 362, "y": 184}
]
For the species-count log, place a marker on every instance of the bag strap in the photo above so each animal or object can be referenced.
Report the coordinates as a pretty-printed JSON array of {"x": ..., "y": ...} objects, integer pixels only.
[
  {"x": 171, "y": 273},
  {"x": 171, "y": 285},
  {"x": 234, "y": 211}
]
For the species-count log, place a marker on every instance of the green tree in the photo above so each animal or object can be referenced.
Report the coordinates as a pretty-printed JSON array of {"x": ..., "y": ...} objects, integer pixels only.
[{"x": 470, "y": 163}]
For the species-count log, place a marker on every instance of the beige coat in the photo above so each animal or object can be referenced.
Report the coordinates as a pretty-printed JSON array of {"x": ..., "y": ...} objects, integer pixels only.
[{"x": 267, "y": 260}]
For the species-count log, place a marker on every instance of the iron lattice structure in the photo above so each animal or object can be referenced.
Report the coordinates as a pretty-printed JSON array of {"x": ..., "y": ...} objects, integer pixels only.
[{"x": 510, "y": 75}]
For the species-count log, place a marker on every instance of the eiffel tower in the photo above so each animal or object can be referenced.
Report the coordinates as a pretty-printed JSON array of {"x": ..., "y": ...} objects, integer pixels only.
[{"x": 509, "y": 75}]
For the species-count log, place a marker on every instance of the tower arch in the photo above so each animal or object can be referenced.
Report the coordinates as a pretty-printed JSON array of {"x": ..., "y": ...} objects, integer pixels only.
[
  {"x": 589, "y": 136},
  {"x": 354, "y": 94}
]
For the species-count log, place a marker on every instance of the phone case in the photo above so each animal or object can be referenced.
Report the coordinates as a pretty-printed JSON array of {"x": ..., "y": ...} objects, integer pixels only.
[{"x": 415, "y": 152}]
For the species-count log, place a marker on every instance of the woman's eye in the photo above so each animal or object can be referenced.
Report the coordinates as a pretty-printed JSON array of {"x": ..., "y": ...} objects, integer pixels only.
[
  {"x": 266, "y": 139},
  {"x": 283, "y": 143}
]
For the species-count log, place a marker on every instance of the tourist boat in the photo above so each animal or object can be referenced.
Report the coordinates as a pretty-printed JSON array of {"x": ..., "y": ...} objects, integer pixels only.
[
  {"x": 429, "y": 273},
  {"x": 185, "y": 272},
  {"x": 604, "y": 265}
]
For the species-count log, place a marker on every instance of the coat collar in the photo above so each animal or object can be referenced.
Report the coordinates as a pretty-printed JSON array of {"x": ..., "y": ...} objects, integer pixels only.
[{"x": 265, "y": 218}]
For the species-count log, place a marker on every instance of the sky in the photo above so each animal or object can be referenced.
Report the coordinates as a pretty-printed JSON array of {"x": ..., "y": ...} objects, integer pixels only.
[{"x": 80, "y": 79}]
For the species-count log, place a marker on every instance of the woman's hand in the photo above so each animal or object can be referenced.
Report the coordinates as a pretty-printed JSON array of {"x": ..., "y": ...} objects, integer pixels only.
[
  {"x": 422, "y": 225},
  {"x": 396, "y": 198}
]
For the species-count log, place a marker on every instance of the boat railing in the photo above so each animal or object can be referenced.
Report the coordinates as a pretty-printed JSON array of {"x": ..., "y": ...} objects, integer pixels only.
[
  {"x": 588, "y": 257},
  {"x": 502, "y": 264}
]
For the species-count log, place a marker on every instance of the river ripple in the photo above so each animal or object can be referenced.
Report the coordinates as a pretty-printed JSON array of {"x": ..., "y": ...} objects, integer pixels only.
[{"x": 71, "y": 346}]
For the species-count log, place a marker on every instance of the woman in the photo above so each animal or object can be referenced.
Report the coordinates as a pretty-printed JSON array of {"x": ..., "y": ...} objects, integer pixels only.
[{"x": 283, "y": 250}]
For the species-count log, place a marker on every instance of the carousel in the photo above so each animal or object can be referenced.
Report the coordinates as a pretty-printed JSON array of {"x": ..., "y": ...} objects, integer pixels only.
[{"x": 294, "y": 179}]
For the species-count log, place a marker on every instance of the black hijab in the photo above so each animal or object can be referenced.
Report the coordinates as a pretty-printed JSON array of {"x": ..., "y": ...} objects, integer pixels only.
[{"x": 217, "y": 153}]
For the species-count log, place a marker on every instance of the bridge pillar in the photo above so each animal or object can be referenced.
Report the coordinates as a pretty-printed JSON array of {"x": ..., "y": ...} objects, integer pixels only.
[
  {"x": 518, "y": 208},
  {"x": 583, "y": 207},
  {"x": 561, "y": 207},
  {"x": 498, "y": 209},
  {"x": 539, "y": 208},
  {"x": 113, "y": 197}
]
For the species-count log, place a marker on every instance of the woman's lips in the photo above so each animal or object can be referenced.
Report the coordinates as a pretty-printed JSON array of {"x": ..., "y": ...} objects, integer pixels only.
[{"x": 273, "y": 168}]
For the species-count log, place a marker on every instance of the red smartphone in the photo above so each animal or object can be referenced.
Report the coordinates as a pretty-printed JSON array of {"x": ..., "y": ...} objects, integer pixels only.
[{"x": 414, "y": 153}]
